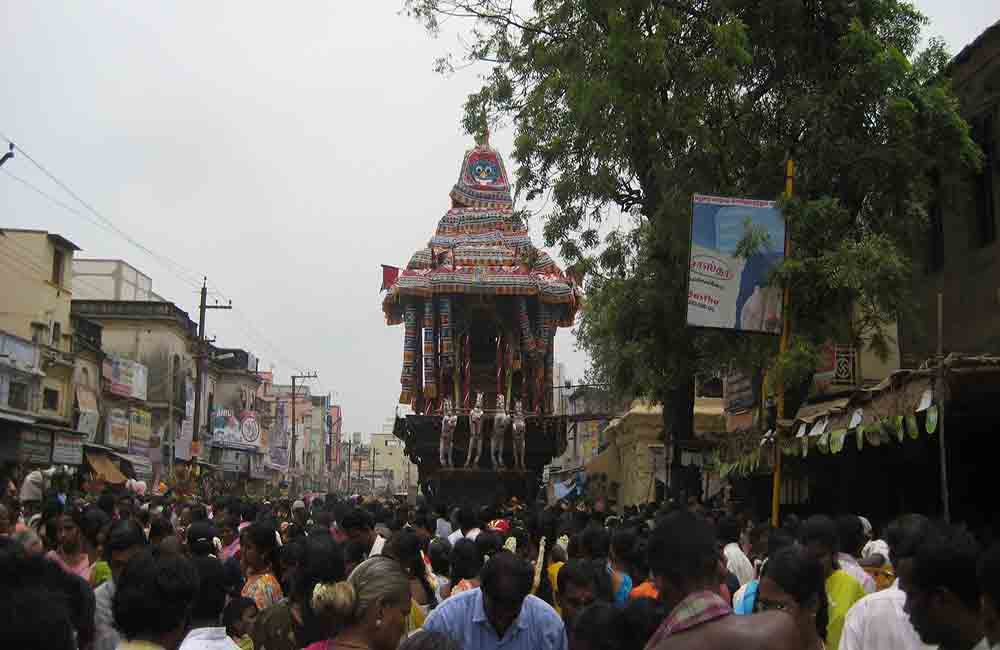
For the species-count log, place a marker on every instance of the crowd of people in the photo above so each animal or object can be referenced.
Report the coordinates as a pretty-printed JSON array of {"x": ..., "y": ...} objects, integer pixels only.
[{"x": 341, "y": 574}]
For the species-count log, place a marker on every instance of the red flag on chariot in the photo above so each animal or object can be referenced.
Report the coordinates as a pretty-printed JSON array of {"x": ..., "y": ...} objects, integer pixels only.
[{"x": 389, "y": 276}]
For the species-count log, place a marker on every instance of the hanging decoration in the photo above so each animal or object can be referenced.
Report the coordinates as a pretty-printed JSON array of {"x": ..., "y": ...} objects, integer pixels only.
[
  {"x": 931, "y": 423},
  {"x": 430, "y": 372},
  {"x": 410, "y": 343}
]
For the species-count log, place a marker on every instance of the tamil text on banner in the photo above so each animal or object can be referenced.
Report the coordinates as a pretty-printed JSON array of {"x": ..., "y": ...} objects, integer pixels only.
[
  {"x": 125, "y": 377},
  {"x": 116, "y": 429},
  {"x": 140, "y": 431},
  {"x": 727, "y": 291}
]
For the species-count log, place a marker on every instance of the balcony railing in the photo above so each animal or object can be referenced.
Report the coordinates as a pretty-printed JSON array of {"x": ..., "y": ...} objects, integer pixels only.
[{"x": 108, "y": 309}]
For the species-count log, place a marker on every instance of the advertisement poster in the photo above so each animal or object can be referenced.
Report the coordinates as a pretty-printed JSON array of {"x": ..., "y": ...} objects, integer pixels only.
[
  {"x": 125, "y": 377},
  {"x": 116, "y": 432},
  {"x": 140, "y": 431},
  {"x": 726, "y": 291},
  {"x": 232, "y": 432}
]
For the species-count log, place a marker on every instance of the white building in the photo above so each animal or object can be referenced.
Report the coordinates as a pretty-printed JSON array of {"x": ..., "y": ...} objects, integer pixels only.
[{"x": 95, "y": 279}]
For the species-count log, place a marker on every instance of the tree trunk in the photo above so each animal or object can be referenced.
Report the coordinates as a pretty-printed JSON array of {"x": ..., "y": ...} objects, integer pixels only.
[{"x": 678, "y": 426}]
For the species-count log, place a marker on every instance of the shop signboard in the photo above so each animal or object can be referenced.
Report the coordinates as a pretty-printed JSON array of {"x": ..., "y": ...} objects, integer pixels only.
[
  {"x": 182, "y": 446},
  {"x": 35, "y": 447},
  {"x": 232, "y": 460},
  {"x": 67, "y": 449},
  {"x": 140, "y": 431},
  {"x": 278, "y": 446},
  {"x": 116, "y": 429},
  {"x": 125, "y": 377},
  {"x": 89, "y": 417},
  {"x": 727, "y": 290}
]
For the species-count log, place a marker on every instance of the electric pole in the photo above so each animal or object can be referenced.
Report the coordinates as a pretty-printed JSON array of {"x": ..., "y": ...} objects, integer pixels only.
[
  {"x": 350, "y": 466},
  {"x": 291, "y": 461},
  {"x": 200, "y": 356}
]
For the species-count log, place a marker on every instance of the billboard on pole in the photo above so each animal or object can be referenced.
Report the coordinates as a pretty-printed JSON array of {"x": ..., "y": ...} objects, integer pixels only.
[{"x": 726, "y": 291}]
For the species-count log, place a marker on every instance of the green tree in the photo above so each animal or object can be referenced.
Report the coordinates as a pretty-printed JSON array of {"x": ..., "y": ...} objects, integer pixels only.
[{"x": 628, "y": 107}]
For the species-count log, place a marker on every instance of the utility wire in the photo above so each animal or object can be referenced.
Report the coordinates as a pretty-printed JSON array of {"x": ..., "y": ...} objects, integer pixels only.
[
  {"x": 192, "y": 277},
  {"x": 177, "y": 269},
  {"x": 67, "y": 207}
]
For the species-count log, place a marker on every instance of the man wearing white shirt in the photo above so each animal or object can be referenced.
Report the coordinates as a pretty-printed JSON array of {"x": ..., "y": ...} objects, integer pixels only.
[
  {"x": 359, "y": 527},
  {"x": 467, "y": 527},
  {"x": 879, "y": 620},
  {"x": 850, "y": 533},
  {"x": 737, "y": 561},
  {"x": 942, "y": 590}
]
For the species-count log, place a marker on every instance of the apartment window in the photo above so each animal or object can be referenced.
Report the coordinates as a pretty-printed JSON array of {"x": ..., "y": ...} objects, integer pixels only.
[
  {"x": 57, "y": 267},
  {"x": 982, "y": 134},
  {"x": 50, "y": 399},
  {"x": 56, "y": 334},
  {"x": 18, "y": 396}
]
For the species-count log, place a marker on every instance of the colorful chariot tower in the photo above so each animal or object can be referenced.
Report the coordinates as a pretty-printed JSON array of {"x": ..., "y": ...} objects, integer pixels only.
[{"x": 480, "y": 306}]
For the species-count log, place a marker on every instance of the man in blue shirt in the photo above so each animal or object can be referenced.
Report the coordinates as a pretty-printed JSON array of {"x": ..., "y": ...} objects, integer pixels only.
[{"x": 501, "y": 613}]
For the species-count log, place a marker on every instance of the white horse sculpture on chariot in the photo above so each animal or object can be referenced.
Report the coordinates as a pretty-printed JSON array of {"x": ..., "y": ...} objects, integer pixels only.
[
  {"x": 500, "y": 421},
  {"x": 449, "y": 421},
  {"x": 475, "y": 432},
  {"x": 518, "y": 435}
]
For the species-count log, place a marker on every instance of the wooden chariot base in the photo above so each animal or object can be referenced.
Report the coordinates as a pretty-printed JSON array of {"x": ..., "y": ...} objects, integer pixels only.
[{"x": 545, "y": 438}]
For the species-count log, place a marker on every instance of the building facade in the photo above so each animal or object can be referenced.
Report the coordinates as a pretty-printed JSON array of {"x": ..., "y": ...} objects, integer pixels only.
[
  {"x": 37, "y": 358},
  {"x": 392, "y": 467},
  {"x": 959, "y": 258},
  {"x": 155, "y": 339}
]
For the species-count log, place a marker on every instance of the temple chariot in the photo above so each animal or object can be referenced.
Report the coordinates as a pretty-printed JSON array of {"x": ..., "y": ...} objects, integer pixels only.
[{"x": 480, "y": 305}]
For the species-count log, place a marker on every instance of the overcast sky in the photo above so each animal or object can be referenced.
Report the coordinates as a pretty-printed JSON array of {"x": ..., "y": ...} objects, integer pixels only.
[{"x": 284, "y": 152}]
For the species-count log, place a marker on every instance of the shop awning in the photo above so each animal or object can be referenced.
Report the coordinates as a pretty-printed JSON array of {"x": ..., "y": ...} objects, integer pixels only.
[
  {"x": 20, "y": 419},
  {"x": 105, "y": 468},
  {"x": 142, "y": 466}
]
